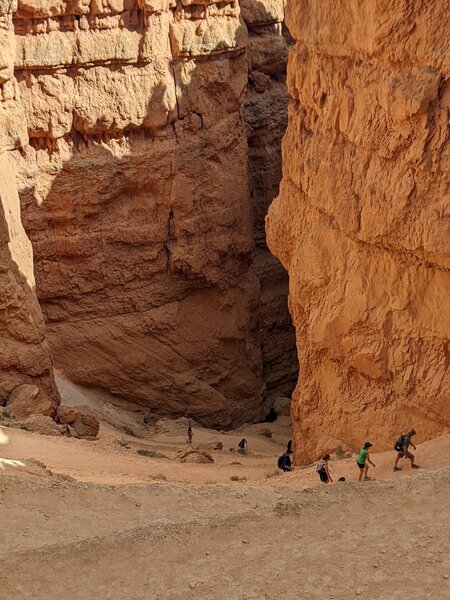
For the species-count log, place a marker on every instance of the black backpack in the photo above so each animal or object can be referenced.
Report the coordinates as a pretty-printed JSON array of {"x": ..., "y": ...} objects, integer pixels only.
[
  {"x": 280, "y": 461},
  {"x": 399, "y": 443}
]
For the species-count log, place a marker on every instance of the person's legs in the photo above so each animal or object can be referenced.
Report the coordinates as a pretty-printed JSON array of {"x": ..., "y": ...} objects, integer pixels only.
[
  {"x": 411, "y": 457},
  {"x": 399, "y": 456},
  {"x": 361, "y": 471},
  {"x": 323, "y": 477},
  {"x": 366, "y": 470}
]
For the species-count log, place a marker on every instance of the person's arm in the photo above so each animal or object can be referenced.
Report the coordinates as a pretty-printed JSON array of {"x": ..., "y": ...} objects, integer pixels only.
[
  {"x": 327, "y": 471},
  {"x": 369, "y": 461}
]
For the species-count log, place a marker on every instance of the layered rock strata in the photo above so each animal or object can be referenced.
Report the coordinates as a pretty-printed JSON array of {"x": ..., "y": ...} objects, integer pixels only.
[
  {"x": 134, "y": 192},
  {"x": 24, "y": 354},
  {"x": 265, "y": 111},
  {"x": 362, "y": 220}
]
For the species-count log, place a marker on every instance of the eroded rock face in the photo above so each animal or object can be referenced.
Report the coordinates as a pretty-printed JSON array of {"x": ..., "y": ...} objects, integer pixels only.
[
  {"x": 24, "y": 355},
  {"x": 362, "y": 220},
  {"x": 135, "y": 194},
  {"x": 265, "y": 112}
]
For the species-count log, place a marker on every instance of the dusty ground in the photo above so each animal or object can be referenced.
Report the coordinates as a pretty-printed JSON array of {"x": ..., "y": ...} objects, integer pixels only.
[{"x": 135, "y": 527}]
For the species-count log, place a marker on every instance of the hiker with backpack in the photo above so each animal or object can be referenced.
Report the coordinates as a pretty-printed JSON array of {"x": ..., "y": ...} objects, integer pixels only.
[
  {"x": 401, "y": 446},
  {"x": 285, "y": 462},
  {"x": 189, "y": 434},
  {"x": 363, "y": 461},
  {"x": 323, "y": 471}
]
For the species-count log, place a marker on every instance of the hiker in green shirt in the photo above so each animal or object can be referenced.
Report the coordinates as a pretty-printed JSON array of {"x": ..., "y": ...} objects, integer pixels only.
[{"x": 363, "y": 461}]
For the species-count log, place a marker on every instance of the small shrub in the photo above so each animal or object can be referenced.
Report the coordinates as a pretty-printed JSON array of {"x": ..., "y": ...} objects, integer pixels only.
[
  {"x": 151, "y": 453},
  {"x": 159, "y": 477},
  {"x": 5, "y": 414},
  {"x": 237, "y": 478},
  {"x": 265, "y": 433},
  {"x": 128, "y": 431}
]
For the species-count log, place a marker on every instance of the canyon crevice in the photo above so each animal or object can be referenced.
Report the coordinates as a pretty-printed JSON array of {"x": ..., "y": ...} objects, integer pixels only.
[
  {"x": 362, "y": 220},
  {"x": 133, "y": 173}
]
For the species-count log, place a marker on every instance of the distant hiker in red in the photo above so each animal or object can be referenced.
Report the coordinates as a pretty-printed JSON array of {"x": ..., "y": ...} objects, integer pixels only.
[{"x": 189, "y": 433}]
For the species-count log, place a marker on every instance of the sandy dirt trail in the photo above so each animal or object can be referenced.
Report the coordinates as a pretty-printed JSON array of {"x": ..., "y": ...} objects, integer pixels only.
[
  {"x": 379, "y": 540},
  {"x": 133, "y": 527}
]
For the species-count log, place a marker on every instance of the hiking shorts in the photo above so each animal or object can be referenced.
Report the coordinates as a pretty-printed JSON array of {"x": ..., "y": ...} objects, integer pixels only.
[
  {"x": 405, "y": 454},
  {"x": 323, "y": 476},
  {"x": 360, "y": 465}
]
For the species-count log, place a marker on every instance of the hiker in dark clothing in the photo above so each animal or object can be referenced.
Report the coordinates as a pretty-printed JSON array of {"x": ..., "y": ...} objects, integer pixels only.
[
  {"x": 402, "y": 445},
  {"x": 189, "y": 433},
  {"x": 323, "y": 471},
  {"x": 285, "y": 462},
  {"x": 243, "y": 446}
]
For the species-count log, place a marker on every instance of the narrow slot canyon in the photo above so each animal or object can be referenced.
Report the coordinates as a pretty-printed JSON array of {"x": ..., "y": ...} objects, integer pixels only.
[{"x": 145, "y": 139}]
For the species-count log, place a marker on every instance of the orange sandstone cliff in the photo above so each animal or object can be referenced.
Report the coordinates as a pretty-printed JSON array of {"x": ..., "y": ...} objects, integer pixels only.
[
  {"x": 136, "y": 196},
  {"x": 24, "y": 353},
  {"x": 362, "y": 222}
]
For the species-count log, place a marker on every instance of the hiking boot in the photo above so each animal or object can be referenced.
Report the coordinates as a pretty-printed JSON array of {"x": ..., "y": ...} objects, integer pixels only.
[
  {"x": 415, "y": 466},
  {"x": 397, "y": 469}
]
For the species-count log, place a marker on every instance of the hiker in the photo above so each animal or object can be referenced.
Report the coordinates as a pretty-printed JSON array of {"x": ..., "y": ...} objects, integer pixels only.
[
  {"x": 243, "y": 446},
  {"x": 363, "y": 461},
  {"x": 285, "y": 462},
  {"x": 289, "y": 446},
  {"x": 402, "y": 445},
  {"x": 323, "y": 471},
  {"x": 189, "y": 433}
]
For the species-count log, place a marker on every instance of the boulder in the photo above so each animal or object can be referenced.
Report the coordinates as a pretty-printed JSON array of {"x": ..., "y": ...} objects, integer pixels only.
[
  {"x": 66, "y": 414},
  {"x": 41, "y": 424},
  {"x": 28, "y": 399},
  {"x": 85, "y": 425},
  {"x": 195, "y": 455}
]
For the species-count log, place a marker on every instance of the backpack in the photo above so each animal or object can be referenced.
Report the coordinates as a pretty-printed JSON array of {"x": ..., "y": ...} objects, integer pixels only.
[
  {"x": 280, "y": 461},
  {"x": 320, "y": 466},
  {"x": 399, "y": 443}
]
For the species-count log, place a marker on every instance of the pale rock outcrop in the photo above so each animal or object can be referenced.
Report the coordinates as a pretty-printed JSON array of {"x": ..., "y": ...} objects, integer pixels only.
[
  {"x": 362, "y": 220},
  {"x": 24, "y": 355}
]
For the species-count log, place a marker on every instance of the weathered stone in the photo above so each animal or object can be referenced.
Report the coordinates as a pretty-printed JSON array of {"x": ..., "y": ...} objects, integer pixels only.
[
  {"x": 41, "y": 424},
  {"x": 28, "y": 400},
  {"x": 66, "y": 414},
  {"x": 195, "y": 455},
  {"x": 360, "y": 222},
  {"x": 282, "y": 406},
  {"x": 85, "y": 424}
]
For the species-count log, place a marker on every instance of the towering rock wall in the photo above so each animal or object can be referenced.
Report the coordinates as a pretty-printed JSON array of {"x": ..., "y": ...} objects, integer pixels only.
[
  {"x": 362, "y": 220},
  {"x": 135, "y": 194},
  {"x": 24, "y": 355},
  {"x": 265, "y": 111}
]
